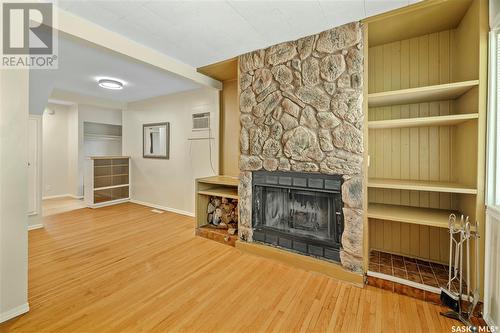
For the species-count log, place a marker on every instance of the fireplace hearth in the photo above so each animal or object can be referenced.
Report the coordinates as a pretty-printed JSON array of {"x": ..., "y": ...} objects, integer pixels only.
[{"x": 299, "y": 211}]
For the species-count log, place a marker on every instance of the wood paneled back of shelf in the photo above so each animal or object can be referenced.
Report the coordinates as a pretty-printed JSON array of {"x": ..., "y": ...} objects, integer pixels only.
[{"x": 453, "y": 52}]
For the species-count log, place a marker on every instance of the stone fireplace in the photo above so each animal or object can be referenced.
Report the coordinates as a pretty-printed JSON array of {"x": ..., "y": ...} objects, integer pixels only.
[{"x": 302, "y": 119}]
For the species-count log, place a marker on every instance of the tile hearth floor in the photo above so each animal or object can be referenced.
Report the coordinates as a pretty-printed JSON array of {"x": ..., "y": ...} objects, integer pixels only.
[{"x": 411, "y": 269}]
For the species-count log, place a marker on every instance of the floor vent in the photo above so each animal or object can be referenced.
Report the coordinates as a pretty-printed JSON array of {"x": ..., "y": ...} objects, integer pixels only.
[{"x": 157, "y": 211}]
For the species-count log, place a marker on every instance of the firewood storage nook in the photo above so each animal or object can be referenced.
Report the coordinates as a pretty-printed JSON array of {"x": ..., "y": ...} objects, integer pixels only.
[{"x": 217, "y": 208}]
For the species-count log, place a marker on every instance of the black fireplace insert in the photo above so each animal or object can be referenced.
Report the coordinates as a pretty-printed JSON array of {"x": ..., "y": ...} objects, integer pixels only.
[{"x": 298, "y": 211}]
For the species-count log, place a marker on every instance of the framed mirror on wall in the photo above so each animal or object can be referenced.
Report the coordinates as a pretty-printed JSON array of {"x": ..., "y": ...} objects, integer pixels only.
[{"x": 156, "y": 140}]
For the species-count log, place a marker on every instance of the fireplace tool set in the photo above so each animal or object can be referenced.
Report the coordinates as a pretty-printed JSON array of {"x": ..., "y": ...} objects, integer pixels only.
[{"x": 461, "y": 302}]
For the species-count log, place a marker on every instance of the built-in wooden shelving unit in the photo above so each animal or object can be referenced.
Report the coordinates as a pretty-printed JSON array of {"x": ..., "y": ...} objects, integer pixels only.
[
  {"x": 425, "y": 107},
  {"x": 107, "y": 180},
  {"x": 422, "y": 121},
  {"x": 216, "y": 186},
  {"x": 420, "y": 185},
  {"x": 421, "y": 94}
]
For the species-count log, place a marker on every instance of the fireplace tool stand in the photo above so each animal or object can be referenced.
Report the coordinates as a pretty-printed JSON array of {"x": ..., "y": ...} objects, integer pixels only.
[{"x": 462, "y": 303}]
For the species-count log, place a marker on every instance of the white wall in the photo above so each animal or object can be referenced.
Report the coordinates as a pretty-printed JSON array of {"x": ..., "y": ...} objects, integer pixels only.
[
  {"x": 14, "y": 98},
  {"x": 494, "y": 13},
  {"x": 97, "y": 115},
  {"x": 65, "y": 149},
  {"x": 170, "y": 183},
  {"x": 72, "y": 150},
  {"x": 492, "y": 269},
  {"x": 55, "y": 151},
  {"x": 35, "y": 189}
]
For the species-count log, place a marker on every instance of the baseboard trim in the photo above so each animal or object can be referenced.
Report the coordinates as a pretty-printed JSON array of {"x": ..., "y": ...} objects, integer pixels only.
[
  {"x": 168, "y": 209},
  {"x": 35, "y": 226},
  {"x": 67, "y": 195},
  {"x": 404, "y": 281},
  {"x": 18, "y": 310},
  {"x": 489, "y": 321},
  {"x": 108, "y": 203}
]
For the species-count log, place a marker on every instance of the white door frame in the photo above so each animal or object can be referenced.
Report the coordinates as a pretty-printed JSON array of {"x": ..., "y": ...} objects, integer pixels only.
[{"x": 38, "y": 164}]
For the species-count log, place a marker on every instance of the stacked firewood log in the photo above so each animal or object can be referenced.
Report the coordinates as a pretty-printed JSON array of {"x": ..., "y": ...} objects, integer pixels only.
[{"x": 223, "y": 213}]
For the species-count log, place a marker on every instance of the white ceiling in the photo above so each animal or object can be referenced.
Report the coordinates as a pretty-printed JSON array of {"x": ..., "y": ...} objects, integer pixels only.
[
  {"x": 203, "y": 32},
  {"x": 81, "y": 64}
]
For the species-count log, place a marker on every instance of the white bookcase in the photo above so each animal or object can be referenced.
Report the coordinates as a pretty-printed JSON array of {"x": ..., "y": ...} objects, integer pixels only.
[{"x": 107, "y": 180}]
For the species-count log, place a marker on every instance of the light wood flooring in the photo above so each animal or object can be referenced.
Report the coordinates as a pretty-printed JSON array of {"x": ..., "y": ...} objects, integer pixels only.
[
  {"x": 126, "y": 269},
  {"x": 60, "y": 205}
]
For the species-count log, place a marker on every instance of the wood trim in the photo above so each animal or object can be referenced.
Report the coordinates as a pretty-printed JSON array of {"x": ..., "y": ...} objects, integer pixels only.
[
  {"x": 366, "y": 156},
  {"x": 481, "y": 131},
  {"x": 222, "y": 71},
  {"x": 301, "y": 261}
]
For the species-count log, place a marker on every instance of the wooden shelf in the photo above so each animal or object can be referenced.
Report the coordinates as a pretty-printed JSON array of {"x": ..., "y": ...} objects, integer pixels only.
[
  {"x": 422, "y": 94},
  {"x": 225, "y": 192},
  {"x": 220, "y": 180},
  {"x": 414, "y": 215},
  {"x": 423, "y": 121},
  {"x": 420, "y": 185}
]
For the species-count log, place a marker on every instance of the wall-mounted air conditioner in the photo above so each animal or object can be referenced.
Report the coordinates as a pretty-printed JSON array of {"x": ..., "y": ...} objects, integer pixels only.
[{"x": 201, "y": 121}]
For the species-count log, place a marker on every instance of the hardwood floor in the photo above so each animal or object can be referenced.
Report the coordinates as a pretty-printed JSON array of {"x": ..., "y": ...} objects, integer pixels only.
[
  {"x": 60, "y": 205},
  {"x": 126, "y": 269}
]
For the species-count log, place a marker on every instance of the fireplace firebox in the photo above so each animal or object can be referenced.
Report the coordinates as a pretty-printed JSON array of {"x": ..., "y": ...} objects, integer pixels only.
[{"x": 298, "y": 211}]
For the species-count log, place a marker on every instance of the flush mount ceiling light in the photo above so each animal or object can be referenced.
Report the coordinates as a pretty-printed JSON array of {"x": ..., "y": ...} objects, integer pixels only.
[{"x": 110, "y": 84}]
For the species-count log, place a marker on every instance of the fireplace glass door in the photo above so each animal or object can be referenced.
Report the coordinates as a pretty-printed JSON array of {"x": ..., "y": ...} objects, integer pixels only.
[{"x": 298, "y": 212}]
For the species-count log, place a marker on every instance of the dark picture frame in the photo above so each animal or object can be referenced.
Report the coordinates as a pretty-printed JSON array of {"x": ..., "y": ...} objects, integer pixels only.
[{"x": 156, "y": 140}]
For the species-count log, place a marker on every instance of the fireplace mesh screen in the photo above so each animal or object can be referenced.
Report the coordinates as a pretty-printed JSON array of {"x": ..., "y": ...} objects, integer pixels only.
[{"x": 302, "y": 212}]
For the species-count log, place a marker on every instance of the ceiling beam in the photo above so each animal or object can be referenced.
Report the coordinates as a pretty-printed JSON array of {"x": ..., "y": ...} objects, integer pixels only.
[
  {"x": 76, "y": 26},
  {"x": 64, "y": 96}
]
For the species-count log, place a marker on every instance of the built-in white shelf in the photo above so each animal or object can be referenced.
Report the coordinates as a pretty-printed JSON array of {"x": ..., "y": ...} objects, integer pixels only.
[
  {"x": 113, "y": 175},
  {"x": 102, "y": 173},
  {"x": 421, "y": 185},
  {"x": 421, "y": 94},
  {"x": 423, "y": 121},
  {"x": 102, "y": 137},
  {"x": 109, "y": 187},
  {"x": 110, "y": 165}
]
